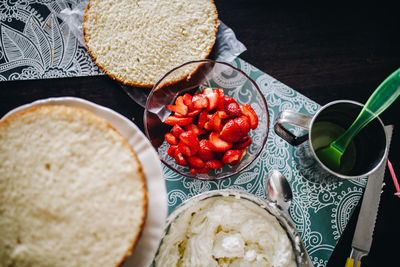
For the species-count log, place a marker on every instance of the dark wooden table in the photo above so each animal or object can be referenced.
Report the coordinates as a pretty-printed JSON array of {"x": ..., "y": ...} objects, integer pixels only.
[{"x": 326, "y": 51}]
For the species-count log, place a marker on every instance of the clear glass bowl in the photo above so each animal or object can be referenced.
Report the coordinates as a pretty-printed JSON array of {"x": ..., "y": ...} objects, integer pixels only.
[{"x": 192, "y": 77}]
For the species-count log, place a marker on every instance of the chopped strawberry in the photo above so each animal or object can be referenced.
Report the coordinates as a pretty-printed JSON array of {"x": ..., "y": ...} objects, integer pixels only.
[
  {"x": 195, "y": 162},
  {"x": 185, "y": 149},
  {"x": 190, "y": 139},
  {"x": 231, "y": 132},
  {"x": 177, "y": 130},
  {"x": 179, "y": 158},
  {"x": 251, "y": 114},
  {"x": 172, "y": 120},
  {"x": 214, "y": 124},
  {"x": 193, "y": 113},
  {"x": 196, "y": 129},
  {"x": 171, "y": 151},
  {"x": 217, "y": 144},
  {"x": 179, "y": 101},
  {"x": 210, "y": 113},
  {"x": 203, "y": 118},
  {"x": 180, "y": 109},
  {"x": 233, "y": 110},
  {"x": 243, "y": 143},
  {"x": 244, "y": 124},
  {"x": 220, "y": 92},
  {"x": 207, "y": 126},
  {"x": 212, "y": 101},
  {"x": 236, "y": 162},
  {"x": 200, "y": 170},
  {"x": 205, "y": 151},
  {"x": 171, "y": 139},
  {"x": 214, "y": 164},
  {"x": 187, "y": 100},
  {"x": 207, "y": 90},
  {"x": 221, "y": 103},
  {"x": 232, "y": 156},
  {"x": 212, "y": 98},
  {"x": 199, "y": 101},
  {"x": 222, "y": 114},
  {"x": 179, "y": 115},
  {"x": 228, "y": 100},
  {"x": 215, "y": 121},
  {"x": 179, "y": 106}
]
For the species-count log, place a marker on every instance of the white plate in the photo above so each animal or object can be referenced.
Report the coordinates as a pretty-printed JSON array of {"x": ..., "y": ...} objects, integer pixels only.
[{"x": 157, "y": 206}]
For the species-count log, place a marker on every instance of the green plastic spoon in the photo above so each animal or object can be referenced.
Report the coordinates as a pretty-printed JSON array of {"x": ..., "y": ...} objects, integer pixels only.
[{"x": 380, "y": 100}]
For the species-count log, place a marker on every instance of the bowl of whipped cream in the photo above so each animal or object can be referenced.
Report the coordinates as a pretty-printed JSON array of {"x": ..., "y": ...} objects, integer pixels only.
[{"x": 230, "y": 228}]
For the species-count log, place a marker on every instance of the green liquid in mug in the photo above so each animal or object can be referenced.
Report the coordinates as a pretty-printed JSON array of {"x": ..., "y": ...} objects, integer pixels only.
[{"x": 323, "y": 133}]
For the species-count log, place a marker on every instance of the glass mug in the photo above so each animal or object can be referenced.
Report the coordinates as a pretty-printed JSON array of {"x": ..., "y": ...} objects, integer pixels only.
[{"x": 362, "y": 157}]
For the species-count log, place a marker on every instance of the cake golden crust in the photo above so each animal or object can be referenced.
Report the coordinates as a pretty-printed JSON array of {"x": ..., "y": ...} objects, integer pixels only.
[
  {"x": 133, "y": 175},
  {"x": 148, "y": 63}
]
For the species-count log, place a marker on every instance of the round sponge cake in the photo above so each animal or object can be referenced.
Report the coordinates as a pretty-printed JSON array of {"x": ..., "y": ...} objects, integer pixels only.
[
  {"x": 137, "y": 42},
  {"x": 72, "y": 191}
]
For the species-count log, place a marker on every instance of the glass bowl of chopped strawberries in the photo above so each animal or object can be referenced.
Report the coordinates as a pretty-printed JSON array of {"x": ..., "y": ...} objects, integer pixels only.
[{"x": 207, "y": 120}]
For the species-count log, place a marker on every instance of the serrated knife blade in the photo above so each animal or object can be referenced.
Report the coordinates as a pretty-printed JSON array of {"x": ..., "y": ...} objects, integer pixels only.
[{"x": 362, "y": 238}]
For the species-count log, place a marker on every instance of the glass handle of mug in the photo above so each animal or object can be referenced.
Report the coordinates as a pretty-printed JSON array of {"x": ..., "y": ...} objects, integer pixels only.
[{"x": 295, "y": 119}]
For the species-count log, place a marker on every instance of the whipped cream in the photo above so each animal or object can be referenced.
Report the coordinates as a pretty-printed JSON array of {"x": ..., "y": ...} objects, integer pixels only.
[{"x": 226, "y": 231}]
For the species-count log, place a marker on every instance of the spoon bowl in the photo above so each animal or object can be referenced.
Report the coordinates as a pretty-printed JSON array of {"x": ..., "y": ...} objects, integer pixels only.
[{"x": 278, "y": 190}]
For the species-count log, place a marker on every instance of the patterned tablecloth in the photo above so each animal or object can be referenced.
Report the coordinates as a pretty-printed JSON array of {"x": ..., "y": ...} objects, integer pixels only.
[
  {"x": 36, "y": 43},
  {"x": 320, "y": 211}
]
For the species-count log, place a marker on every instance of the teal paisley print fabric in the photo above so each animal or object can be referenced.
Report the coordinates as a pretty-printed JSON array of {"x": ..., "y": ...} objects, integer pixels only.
[{"x": 320, "y": 210}]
